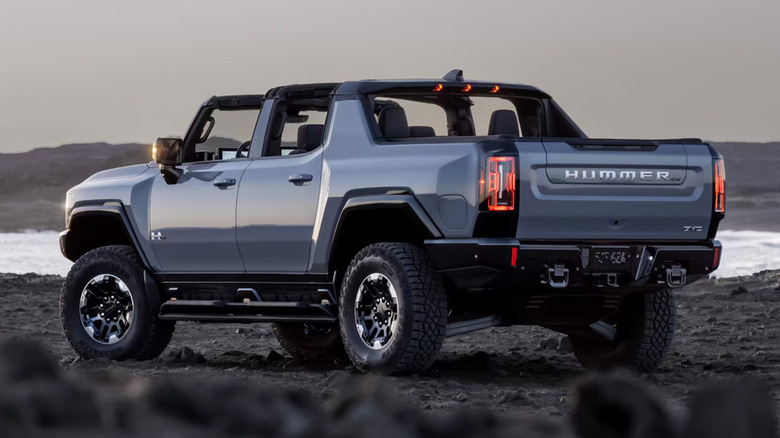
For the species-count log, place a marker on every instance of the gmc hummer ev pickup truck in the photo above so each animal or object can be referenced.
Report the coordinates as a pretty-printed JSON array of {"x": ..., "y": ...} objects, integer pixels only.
[{"x": 372, "y": 219}]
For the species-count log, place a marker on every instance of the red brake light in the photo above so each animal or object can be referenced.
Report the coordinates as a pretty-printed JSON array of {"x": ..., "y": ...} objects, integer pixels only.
[
  {"x": 720, "y": 186},
  {"x": 716, "y": 257},
  {"x": 501, "y": 184}
]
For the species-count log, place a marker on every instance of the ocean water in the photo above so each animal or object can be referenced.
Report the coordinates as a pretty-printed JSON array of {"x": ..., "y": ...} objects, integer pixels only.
[{"x": 744, "y": 252}]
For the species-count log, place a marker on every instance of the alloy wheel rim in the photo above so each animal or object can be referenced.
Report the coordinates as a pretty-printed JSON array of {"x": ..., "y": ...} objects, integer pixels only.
[
  {"x": 106, "y": 309},
  {"x": 376, "y": 311}
]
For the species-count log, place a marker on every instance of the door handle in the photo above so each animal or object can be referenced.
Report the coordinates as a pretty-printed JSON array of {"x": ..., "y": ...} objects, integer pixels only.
[
  {"x": 227, "y": 182},
  {"x": 300, "y": 178}
]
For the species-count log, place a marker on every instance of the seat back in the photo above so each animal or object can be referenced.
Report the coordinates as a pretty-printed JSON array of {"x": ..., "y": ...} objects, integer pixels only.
[{"x": 504, "y": 122}]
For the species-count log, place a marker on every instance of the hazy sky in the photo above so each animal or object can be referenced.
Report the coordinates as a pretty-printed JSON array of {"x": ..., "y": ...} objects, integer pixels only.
[{"x": 101, "y": 70}]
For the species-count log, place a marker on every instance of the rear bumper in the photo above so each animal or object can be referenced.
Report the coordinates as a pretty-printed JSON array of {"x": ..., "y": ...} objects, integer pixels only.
[{"x": 498, "y": 263}]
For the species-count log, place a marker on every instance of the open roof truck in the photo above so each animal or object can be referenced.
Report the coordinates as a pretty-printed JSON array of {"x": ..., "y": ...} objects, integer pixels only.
[{"x": 375, "y": 218}]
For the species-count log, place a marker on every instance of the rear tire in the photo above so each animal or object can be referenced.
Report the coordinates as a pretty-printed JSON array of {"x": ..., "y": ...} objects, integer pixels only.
[
  {"x": 645, "y": 329},
  {"x": 104, "y": 309},
  {"x": 313, "y": 342},
  {"x": 392, "y": 309}
]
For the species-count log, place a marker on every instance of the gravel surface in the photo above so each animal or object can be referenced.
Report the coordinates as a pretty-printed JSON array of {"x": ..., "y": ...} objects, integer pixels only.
[{"x": 727, "y": 329}]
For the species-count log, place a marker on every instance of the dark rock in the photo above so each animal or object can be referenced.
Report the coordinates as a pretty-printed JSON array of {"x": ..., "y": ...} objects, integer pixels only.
[
  {"x": 184, "y": 355},
  {"x": 739, "y": 291},
  {"x": 243, "y": 331},
  {"x": 274, "y": 356},
  {"x": 609, "y": 406},
  {"x": 710, "y": 319},
  {"x": 517, "y": 397},
  {"x": 23, "y": 361},
  {"x": 548, "y": 344},
  {"x": 235, "y": 353},
  {"x": 738, "y": 408},
  {"x": 461, "y": 397},
  {"x": 49, "y": 404},
  {"x": 238, "y": 409}
]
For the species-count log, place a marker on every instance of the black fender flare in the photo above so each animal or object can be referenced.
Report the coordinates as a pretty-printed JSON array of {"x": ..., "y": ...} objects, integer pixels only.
[
  {"x": 113, "y": 210},
  {"x": 405, "y": 203}
]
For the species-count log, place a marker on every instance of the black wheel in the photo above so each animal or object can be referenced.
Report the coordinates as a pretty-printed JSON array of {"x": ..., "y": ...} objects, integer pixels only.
[
  {"x": 310, "y": 341},
  {"x": 104, "y": 310},
  {"x": 392, "y": 309},
  {"x": 644, "y": 328}
]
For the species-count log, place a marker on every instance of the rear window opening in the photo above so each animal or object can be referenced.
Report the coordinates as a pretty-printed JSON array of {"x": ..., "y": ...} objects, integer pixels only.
[{"x": 426, "y": 115}]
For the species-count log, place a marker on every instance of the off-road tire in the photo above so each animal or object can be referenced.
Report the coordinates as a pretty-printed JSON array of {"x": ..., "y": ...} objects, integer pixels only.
[
  {"x": 302, "y": 343},
  {"x": 422, "y": 309},
  {"x": 147, "y": 336},
  {"x": 645, "y": 329}
]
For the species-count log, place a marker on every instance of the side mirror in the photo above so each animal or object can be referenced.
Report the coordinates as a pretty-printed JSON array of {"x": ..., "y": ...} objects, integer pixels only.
[{"x": 167, "y": 152}]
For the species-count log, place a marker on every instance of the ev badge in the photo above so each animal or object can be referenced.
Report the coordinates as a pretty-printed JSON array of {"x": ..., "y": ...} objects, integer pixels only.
[{"x": 157, "y": 235}]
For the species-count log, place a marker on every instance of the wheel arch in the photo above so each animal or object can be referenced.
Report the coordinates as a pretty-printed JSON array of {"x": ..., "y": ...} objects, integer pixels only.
[
  {"x": 93, "y": 226},
  {"x": 364, "y": 220}
]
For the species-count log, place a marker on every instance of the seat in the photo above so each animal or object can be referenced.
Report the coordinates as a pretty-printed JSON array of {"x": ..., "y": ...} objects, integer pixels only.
[
  {"x": 309, "y": 138},
  {"x": 393, "y": 123},
  {"x": 421, "y": 131},
  {"x": 504, "y": 122}
]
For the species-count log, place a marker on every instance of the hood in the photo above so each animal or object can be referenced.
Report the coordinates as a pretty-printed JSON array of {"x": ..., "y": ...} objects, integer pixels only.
[{"x": 121, "y": 172}]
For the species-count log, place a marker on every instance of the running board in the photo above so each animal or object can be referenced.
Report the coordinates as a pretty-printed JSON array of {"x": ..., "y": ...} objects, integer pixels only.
[
  {"x": 463, "y": 327},
  {"x": 250, "y": 311}
]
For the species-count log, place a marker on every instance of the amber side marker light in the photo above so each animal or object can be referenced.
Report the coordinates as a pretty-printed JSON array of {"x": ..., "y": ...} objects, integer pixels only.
[
  {"x": 466, "y": 89},
  {"x": 438, "y": 87},
  {"x": 495, "y": 89},
  {"x": 720, "y": 186}
]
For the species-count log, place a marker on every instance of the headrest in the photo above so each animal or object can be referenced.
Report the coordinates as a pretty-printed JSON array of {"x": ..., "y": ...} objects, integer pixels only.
[
  {"x": 310, "y": 136},
  {"x": 504, "y": 122},
  {"x": 393, "y": 124},
  {"x": 421, "y": 131}
]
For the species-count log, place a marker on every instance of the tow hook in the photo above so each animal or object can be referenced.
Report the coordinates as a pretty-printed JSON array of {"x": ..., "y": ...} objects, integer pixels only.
[
  {"x": 675, "y": 276},
  {"x": 558, "y": 276}
]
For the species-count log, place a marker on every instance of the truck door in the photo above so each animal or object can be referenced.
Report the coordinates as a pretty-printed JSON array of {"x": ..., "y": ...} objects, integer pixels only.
[
  {"x": 278, "y": 198},
  {"x": 193, "y": 221}
]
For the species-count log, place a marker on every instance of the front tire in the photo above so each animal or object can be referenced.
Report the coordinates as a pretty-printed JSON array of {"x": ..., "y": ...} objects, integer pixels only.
[
  {"x": 104, "y": 309},
  {"x": 392, "y": 309},
  {"x": 644, "y": 332}
]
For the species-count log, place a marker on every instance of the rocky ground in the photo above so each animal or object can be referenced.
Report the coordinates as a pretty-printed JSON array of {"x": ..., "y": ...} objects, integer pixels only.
[{"x": 727, "y": 329}]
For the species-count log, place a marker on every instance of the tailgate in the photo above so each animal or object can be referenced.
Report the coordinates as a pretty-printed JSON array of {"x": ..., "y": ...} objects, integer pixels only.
[{"x": 617, "y": 190}]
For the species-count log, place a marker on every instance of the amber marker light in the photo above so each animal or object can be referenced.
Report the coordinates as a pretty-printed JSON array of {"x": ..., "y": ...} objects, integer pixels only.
[
  {"x": 466, "y": 89},
  {"x": 438, "y": 87},
  {"x": 495, "y": 89}
]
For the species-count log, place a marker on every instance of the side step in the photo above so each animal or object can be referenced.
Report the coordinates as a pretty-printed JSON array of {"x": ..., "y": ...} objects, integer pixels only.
[
  {"x": 463, "y": 327},
  {"x": 251, "y": 311}
]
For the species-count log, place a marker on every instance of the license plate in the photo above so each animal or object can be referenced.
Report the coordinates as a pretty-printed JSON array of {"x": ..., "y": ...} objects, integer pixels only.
[{"x": 611, "y": 258}]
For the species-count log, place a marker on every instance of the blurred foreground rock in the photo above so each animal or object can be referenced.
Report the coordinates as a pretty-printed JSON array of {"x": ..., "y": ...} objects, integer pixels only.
[{"x": 36, "y": 399}]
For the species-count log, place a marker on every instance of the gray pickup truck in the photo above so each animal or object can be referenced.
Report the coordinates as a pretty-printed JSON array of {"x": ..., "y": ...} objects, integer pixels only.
[{"x": 372, "y": 219}]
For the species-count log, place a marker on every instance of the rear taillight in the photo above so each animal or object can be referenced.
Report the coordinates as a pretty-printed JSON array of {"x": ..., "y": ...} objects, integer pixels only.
[
  {"x": 720, "y": 186},
  {"x": 501, "y": 183},
  {"x": 716, "y": 257}
]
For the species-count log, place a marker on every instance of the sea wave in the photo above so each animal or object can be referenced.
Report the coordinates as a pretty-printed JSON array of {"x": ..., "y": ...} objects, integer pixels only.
[{"x": 744, "y": 253}]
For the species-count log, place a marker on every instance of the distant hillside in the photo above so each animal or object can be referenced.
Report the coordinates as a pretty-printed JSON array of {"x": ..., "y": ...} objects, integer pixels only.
[{"x": 33, "y": 184}]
